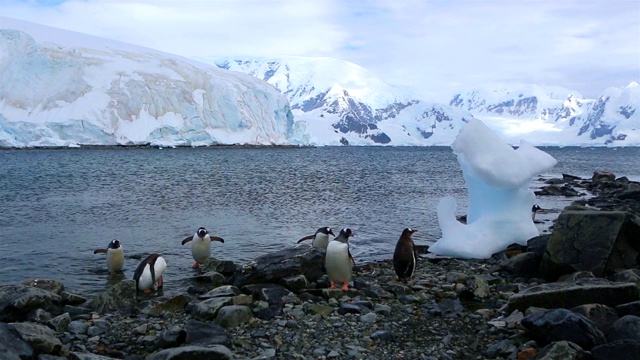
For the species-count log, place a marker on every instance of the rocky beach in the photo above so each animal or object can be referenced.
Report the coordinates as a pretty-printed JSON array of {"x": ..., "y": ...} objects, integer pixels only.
[{"x": 570, "y": 294}]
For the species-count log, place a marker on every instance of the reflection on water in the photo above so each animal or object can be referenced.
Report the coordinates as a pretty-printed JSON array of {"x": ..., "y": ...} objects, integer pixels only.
[{"x": 60, "y": 205}]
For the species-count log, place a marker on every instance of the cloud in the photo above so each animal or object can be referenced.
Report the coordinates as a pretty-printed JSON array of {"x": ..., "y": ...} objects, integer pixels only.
[{"x": 432, "y": 46}]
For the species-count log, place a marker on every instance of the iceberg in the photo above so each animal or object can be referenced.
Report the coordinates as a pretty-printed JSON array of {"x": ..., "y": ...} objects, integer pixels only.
[{"x": 500, "y": 200}]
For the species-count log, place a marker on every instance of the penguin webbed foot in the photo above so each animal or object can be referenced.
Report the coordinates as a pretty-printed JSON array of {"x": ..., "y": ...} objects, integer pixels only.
[
  {"x": 345, "y": 287},
  {"x": 195, "y": 265},
  {"x": 332, "y": 286}
]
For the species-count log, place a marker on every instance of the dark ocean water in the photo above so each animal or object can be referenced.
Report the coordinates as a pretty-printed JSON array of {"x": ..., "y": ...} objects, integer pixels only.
[{"x": 57, "y": 206}]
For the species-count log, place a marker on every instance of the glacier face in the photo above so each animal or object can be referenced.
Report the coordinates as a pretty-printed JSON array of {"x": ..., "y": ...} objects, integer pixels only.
[
  {"x": 59, "y": 88},
  {"x": 56, "y": 95},
  {"x": 335, "y": 102}
]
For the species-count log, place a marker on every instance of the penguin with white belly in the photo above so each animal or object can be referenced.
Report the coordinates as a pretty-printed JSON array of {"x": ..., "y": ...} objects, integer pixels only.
[
  {"x": 338, "y": 260},
  {"x": 148, "y": 274},
  {"x": 320, "y": 238},
  {"x": 115, "y": 256},
  {"x": 404, "y": 256},
  {"x": 201, "y": 246}
]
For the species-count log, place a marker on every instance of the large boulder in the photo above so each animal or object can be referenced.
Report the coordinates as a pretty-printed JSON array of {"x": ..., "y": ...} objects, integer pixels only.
[
  {"x": 300, "y": 259},
  {"x": 591, "y": 240},
  {"x": 571, "y": 294},
  {"x": 12, "y": 346},
  {"x": 17, "y": 302},
  {"x": 42, "y": 339},
  {"x": 548, "y": 326},
  {"x": 121, "y": 297}
]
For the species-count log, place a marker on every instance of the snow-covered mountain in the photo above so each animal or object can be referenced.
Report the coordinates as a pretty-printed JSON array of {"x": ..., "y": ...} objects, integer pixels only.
[
  {"x": 557, "y": 116},
  {"x": 60, "y": 88},
  {"x": 337, "y": 102}
]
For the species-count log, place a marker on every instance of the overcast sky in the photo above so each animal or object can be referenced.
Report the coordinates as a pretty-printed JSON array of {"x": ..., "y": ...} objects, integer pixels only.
[{"x": 435, "y": 47}]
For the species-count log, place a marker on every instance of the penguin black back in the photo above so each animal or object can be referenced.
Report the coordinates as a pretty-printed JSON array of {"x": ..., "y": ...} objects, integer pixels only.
[{"x": 404, "y": 256}]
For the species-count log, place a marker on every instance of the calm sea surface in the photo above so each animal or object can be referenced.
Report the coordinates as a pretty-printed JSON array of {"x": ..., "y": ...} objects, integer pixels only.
[{"x": 57, "y": 206}]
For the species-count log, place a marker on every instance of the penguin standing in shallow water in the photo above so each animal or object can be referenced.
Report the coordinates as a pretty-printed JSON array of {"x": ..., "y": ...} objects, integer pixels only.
[
  {"x": 320, "y": 238},
  {"x": 201, "y": 246},
  {"x": 338, "y": 260},
  {"x": 404, "y": 257},
  {"x": 115, "y": 256},
  {"x": 148, "y": 274}
]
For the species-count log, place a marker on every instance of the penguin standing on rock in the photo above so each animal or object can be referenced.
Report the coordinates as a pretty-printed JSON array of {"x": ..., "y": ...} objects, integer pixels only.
[
  {"x": 320, "y": 238},
  {"x": 148, "y": 274},
  {"x": 404, "y": 257},
  {"x": 115, "y": 256},
  {"x": 338, "y": 260},
  {"x": 201, "y": 246}
]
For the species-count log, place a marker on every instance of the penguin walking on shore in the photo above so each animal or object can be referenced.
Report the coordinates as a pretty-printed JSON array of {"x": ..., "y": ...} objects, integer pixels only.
[
  {"x": 320, "y": 238},
  {"x": 201, "y": 246},
  {"x": 338, "y": 260},
  {"x": 535, "y": 210},
  {"x": 404, "y": 256},
  {"x": 148, "y": 274},
  {"x": 115, "y": 256}
]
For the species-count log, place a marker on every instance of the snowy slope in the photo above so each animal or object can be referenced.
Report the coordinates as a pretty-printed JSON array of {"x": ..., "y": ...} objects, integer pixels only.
[
  {"x": 60, "y": 88},
  {"x": 337, "y": 102},
  {"x": 547, "y": 115}
]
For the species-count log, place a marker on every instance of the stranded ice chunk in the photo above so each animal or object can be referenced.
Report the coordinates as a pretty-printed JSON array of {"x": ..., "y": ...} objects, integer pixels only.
[{"x": 500, "y": 201}]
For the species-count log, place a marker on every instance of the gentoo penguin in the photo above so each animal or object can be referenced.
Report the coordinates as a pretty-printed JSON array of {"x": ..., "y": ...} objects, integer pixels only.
[
  {"x": 115, "y": 256},
  {"x": 338, "y": 259},
  {"x": 404, "y": 257},
  {"x": 201, "y": 246},
  {"x": 534, "y": 210},
  {"x": 148, "y": 275},
  {"x": 320, "y": 238}
]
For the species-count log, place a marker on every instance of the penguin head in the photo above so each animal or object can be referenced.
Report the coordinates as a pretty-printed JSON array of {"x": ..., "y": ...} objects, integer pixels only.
[
  {"x": 408, "y": 231},
  {"x": 345, "y": 234},
  {"x": 114, "y": 244},
  {"x": 326, "y": 230},
  {"x": 536, "y": 208},
  {"x": 202, "y": 232}
]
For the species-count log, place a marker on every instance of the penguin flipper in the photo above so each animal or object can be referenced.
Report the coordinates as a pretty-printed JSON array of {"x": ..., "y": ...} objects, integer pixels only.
[
  {"x": 187, "y": 239},
  {"x": 217, "y": 238},
  {"x": 310, "y": 237},
  {"x": 100, "y": 251}
]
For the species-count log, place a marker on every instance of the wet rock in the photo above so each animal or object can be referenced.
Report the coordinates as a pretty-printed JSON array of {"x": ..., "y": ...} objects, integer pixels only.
[
  {"x": 601, "y": 315},
  {"x": 214, "y": 352},
  {"x": 87, "y": 356},
  {"x": 18, "y": 301},
  {"x": 563, "y": 350},
  {"x": 572, "y": 294},
  {"x": 618, "y": 350},
  {"x": 295, "y": 283},
  {"x": 208, "y": 309},
  {"x": 212, "y": 278},
  {"x": 589, "y": 240},
  {"x": 176, "y": 303},
  {"x": 560, "y": 324},
  {"x": 54, "y": 286},
  {"x": 173, "y": 337},
  {"x": 632, "y": 308},
  {"x": 60, "y": 323},
  {"x": 12, "y": 346},
  {"x": 625, "y": 328},
  {"x": 42, "y": 339},
  {"x": 224, "y": 267},
  {"x": 221, "y": 291},
  {"x": 233, "y": 316},
  {"x": 121, "y": 298},
  {"x": 198, "y": 333},
  {"x": 273, "y": 294},
  {"x": 72, "y": 299},
  {"x": 273, "y": 267}
]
